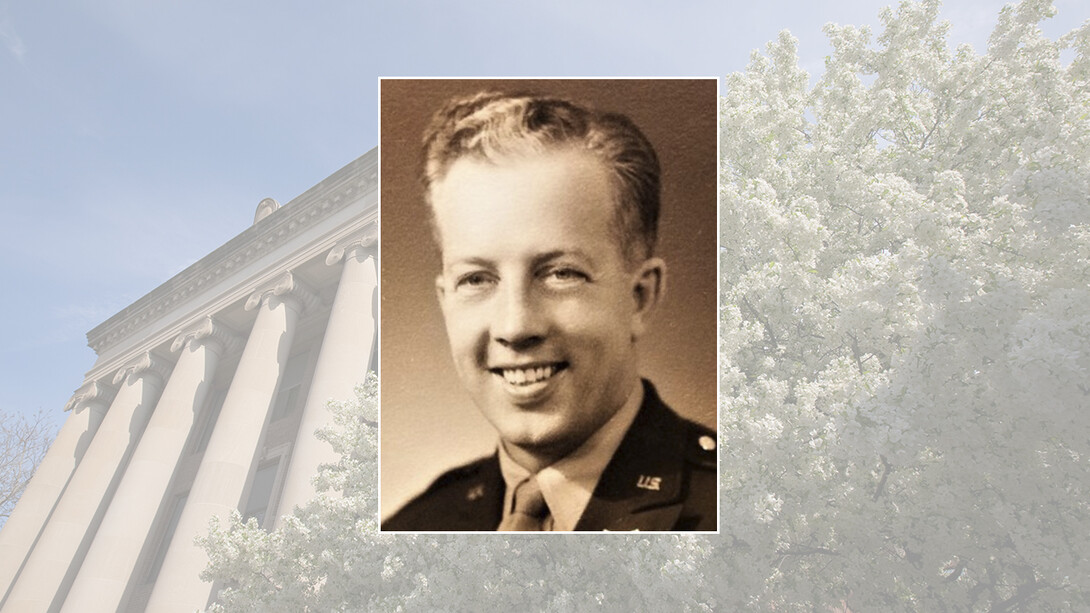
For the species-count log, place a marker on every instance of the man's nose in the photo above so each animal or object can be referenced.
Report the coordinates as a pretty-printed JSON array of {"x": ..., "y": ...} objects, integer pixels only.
[{"x": 518, "y": 321}]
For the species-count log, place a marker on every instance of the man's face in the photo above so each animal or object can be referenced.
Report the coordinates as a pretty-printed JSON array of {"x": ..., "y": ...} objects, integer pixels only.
[{"x": 541, "y": 310}]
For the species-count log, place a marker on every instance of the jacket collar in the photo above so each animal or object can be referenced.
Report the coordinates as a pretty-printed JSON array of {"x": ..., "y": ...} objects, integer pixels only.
[{"x": 640, "y": 488}]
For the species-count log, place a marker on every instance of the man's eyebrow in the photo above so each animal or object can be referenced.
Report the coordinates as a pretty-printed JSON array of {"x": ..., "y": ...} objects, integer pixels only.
[
  {"x": 549, "y": 256},
  {"x": 471, "y": 261}
]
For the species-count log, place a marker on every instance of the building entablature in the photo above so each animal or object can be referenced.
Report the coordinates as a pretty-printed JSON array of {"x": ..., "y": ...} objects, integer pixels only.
[{"x": 297, "y": 238}]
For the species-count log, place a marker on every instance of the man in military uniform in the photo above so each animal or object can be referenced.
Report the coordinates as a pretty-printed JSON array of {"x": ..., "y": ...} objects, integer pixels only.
[{"x": 546, "y": 215}]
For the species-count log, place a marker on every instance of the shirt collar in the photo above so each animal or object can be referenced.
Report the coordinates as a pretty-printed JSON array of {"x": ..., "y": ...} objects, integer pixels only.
[{"x": 569, "y": 483}]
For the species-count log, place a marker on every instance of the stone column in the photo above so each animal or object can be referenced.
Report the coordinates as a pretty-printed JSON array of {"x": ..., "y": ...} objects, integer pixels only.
[
  {"x": 221, "y": 478},
  {"x": 342, "y": 363},
  {"x": 112, "y": 558},
  {"x": 88, "y": 406},
  {"x": 51, "y": 566}
]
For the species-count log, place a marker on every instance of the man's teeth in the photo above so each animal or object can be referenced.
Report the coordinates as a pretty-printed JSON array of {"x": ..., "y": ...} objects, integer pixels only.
[{"x": 527, "y": 376}]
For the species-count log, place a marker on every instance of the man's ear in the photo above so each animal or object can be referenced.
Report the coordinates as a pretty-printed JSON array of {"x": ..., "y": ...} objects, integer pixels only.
[
  {"x": 440, "y": 289},
  {"x": 648, "y": 290}
]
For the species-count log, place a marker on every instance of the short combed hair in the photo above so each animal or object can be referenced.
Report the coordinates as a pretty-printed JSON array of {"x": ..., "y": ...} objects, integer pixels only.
[{"x": 490, "y": 125}]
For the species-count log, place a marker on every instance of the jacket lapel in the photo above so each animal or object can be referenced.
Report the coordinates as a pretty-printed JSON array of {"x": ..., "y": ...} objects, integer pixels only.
[{"x": 641, "y": 486}]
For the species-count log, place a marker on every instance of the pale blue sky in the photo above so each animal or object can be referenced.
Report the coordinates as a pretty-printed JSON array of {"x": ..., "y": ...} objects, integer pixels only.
[{"x": 136, "y": 137}]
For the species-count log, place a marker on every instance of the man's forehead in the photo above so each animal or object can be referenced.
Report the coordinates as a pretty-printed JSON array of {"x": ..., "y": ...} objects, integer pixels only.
[
  {"x": 531, "y": 208},
  {"x": 568, "y": 182},
  {"x": 564, "y": 161}
]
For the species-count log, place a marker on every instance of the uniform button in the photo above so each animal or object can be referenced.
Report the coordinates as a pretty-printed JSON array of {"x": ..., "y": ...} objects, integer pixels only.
[
  {"x": 475, "y": 493},
  {"x": 706, "y": 443}
]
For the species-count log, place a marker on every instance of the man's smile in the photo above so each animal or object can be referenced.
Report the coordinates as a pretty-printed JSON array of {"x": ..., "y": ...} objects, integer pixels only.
[
  {"x": 528, "y": 386},
  {"x": 530, "y": 374}
]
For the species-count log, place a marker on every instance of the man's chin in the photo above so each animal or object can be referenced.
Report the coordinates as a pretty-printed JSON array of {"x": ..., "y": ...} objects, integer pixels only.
[{"x": 537, "y": 434}]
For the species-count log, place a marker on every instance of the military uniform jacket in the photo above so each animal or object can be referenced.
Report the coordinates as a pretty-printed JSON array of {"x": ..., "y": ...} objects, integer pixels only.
[{"x": 662, "y": 477}]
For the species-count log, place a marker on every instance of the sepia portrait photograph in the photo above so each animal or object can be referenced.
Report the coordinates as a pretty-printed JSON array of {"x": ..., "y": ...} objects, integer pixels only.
[{"x": 548, "y": 271}]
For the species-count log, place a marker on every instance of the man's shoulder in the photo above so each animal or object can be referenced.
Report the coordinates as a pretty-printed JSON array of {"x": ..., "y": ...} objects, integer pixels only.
[
  {"x": 699, "y": 445},
  {"x": 695, "y": 443},
  {"x": 701, "y": 460},
  {"x": 468, "y": 497}
]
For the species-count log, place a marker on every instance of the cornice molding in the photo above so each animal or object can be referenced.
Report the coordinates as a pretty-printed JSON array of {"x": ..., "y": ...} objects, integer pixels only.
[
  {"x": 285, "y": 287},
  {"x": 357, "y": 179},
  {"x": 208, "y": 331},
  {"x": 144, "y": 365},
  {"x": 91, "y": 392}
]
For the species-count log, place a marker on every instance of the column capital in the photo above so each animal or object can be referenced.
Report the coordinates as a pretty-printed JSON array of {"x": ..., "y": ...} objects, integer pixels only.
[
  {"x": 286, "y": 287},
  {"x": 144, "y": 364},
  {"x": 210, "y": 332},
  {"x": 344, "y": 248},
  {"x": 94, "y": 391}
]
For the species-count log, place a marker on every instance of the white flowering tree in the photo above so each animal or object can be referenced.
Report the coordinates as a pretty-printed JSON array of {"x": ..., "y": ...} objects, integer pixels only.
[
  {"x": 905, "y": 343},
  {"x": 906, "y": 317}
]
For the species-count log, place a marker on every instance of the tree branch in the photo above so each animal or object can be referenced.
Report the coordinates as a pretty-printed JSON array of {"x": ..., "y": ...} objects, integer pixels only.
[{"x": 880, "y": 489}]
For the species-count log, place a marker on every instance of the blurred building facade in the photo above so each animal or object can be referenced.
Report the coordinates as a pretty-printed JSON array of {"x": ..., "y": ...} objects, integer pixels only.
[{"x": 203, "y": 399}]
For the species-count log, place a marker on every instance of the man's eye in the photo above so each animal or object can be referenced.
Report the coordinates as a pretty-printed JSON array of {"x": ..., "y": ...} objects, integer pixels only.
[
  {"x": 473, "y": 281},
  {"x": 565, "y": 276}
]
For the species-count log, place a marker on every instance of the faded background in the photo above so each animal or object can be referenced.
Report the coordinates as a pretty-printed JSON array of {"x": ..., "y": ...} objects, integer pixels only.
[
  {"x": 904, "y": 420},
  {"x": 428, "y": 422},
  {"x": 136, "y": 137}
]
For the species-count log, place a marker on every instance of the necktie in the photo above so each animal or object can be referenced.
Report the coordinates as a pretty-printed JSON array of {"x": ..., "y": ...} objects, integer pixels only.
[{"x": 530, "y": 509}]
